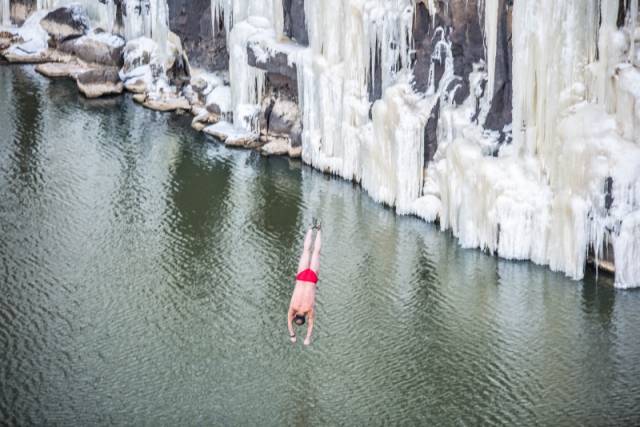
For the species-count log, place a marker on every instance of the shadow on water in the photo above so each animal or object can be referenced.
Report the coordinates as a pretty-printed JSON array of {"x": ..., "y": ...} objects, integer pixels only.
[
  {"x": 194, "y": 220},
  {"x": 26, "y": 97}
]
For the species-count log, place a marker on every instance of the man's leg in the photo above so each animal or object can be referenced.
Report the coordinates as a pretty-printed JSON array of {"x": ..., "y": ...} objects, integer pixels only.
[
  {"x": 315, "y": 257},
  {"x": 303, "y": 264}
]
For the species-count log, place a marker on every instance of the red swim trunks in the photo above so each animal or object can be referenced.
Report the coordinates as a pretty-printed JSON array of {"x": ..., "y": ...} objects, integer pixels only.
[{"x": 307, "y": 275}]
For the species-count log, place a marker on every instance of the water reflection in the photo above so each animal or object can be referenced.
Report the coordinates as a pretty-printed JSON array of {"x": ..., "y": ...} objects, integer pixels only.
[
  {"x": 147, "y": 281},
  {"x": 25, "y": 97}
]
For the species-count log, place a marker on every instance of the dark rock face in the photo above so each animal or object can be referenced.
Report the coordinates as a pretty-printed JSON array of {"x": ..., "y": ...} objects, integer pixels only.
[
  {"x": 431, "y": 134},
  {"x": 276, "y": 64},
  {"x": 66, "y": 23},
  {"x": 462, "y": 27},
  {"x": 459, "y": 23},
  {"x": 282, "y": 77},
  {"x": 191, "y": 20},
  {"x": 500, "y": 112},
  {"x": 295, "y": 25}
]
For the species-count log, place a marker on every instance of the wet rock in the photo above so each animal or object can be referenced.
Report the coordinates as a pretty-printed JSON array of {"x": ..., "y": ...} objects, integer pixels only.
[
  {"x": 277, "y": 147},
  {"x": 17, "y": 56},
  {"x": 249, "y": 140},
  {"x": 233, "y": 136},
  {"x": 99, "y": 82},
  {"x": 99, "y": 48},
  {"x": 61, "y": 69},
  {"x": 66, "y": 22},
  {"x": 203, "y": 117},
  {"x": 164, "y": 102}
]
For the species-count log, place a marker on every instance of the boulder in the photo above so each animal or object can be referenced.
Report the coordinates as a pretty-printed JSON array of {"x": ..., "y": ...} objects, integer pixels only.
[
  {"x": 164, "y": 103},
  {"x": 285, "y": 115},
  {"x": 203, "y": 118},
  {"x": 99, "y": 48},
  {"x": 99, "y": 82},
  {"x": 233, "y": 136},
  {"x": 218, "y": 102},
  {"x": 295, "y": 152},
  {"x": 139, "y": 98},
  {"x": 61, "y": 69},
  {"x": 18, "y": 56},
  {"x": 138, "y": 53},
  {"x": 6, "y": 39},
  {"x": 138, "y": 86},
  {"x": 277, "y": 147},
  {"x": 66, "y": 22},
  {"x": 247, "y": 140},
  {"x": 31, "y": 43}
]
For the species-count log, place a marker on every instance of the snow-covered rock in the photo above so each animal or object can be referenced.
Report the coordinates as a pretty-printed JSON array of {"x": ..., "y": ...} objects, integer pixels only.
[
  {"x": 96, "y": 47},
  {"x": 233, "y": 136},
  {"x": 31, "y": 42},
  {"x": 61, "y": 69},
  {"x": 66, "y": 22},
  {"x": 99, "y": 82}
]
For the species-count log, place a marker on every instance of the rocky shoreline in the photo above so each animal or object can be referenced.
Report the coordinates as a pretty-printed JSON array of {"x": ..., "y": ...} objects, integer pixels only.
[{"x": 63, "y": 44}]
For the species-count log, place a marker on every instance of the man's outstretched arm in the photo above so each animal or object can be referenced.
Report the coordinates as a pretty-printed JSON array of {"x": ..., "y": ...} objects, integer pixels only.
[
  {"x": 292, "y": 334},
  {"x": 312, "y": 316}
]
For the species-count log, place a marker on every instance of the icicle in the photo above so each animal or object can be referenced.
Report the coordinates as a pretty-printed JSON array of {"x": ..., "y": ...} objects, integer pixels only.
[
  {"x": 5, "y": 11},
  {"x": 491, "y": 41},
  {"x": 160, "y": 26},
  {"x": 633, "y": 18}
]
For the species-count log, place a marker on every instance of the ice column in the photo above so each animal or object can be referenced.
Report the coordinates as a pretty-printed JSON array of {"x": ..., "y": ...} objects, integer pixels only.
[
  {"x": 5, "y": 18},
  {"x": 491, "y": 41}
]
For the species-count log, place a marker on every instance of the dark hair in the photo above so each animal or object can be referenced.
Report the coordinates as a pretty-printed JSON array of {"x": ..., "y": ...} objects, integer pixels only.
[{"x": 299, "y": 319}]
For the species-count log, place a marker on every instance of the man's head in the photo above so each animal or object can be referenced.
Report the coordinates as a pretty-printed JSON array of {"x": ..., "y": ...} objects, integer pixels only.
[{"x": 299, "y": 319}]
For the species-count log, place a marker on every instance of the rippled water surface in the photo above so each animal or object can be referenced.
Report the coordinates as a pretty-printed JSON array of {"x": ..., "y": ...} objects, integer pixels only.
[{"x": 145, "y": 273}]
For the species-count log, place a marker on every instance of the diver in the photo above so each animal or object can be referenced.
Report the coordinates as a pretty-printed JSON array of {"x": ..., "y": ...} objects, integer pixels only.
[{"x": 303, "y": 300}]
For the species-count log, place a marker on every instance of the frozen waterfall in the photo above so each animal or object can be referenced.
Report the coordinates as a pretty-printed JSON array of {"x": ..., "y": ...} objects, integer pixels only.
[{"x": 569, "y": 184}]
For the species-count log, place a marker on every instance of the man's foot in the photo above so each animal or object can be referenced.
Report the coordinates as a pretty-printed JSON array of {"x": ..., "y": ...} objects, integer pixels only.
[{"x": 317, "y": 225}]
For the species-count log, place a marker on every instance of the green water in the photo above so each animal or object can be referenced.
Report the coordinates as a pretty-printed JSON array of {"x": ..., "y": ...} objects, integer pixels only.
[{"x": 145, "y": 274}]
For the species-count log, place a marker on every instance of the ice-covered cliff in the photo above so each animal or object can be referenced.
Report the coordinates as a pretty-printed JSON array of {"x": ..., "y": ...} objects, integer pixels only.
[
  {"x": 515, "y": 124},
  {"x": 558, "y": 183}
]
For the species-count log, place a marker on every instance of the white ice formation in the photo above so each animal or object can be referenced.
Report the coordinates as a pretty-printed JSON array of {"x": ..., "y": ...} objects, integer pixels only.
[
  {"x": 143, "y": 18},
  {"x": 5, "y": 13},
  {"x": 569, "y": 183}
]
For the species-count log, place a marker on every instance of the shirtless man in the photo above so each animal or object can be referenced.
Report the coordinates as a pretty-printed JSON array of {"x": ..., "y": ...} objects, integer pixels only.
[{"x": 303, "y": 300}]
